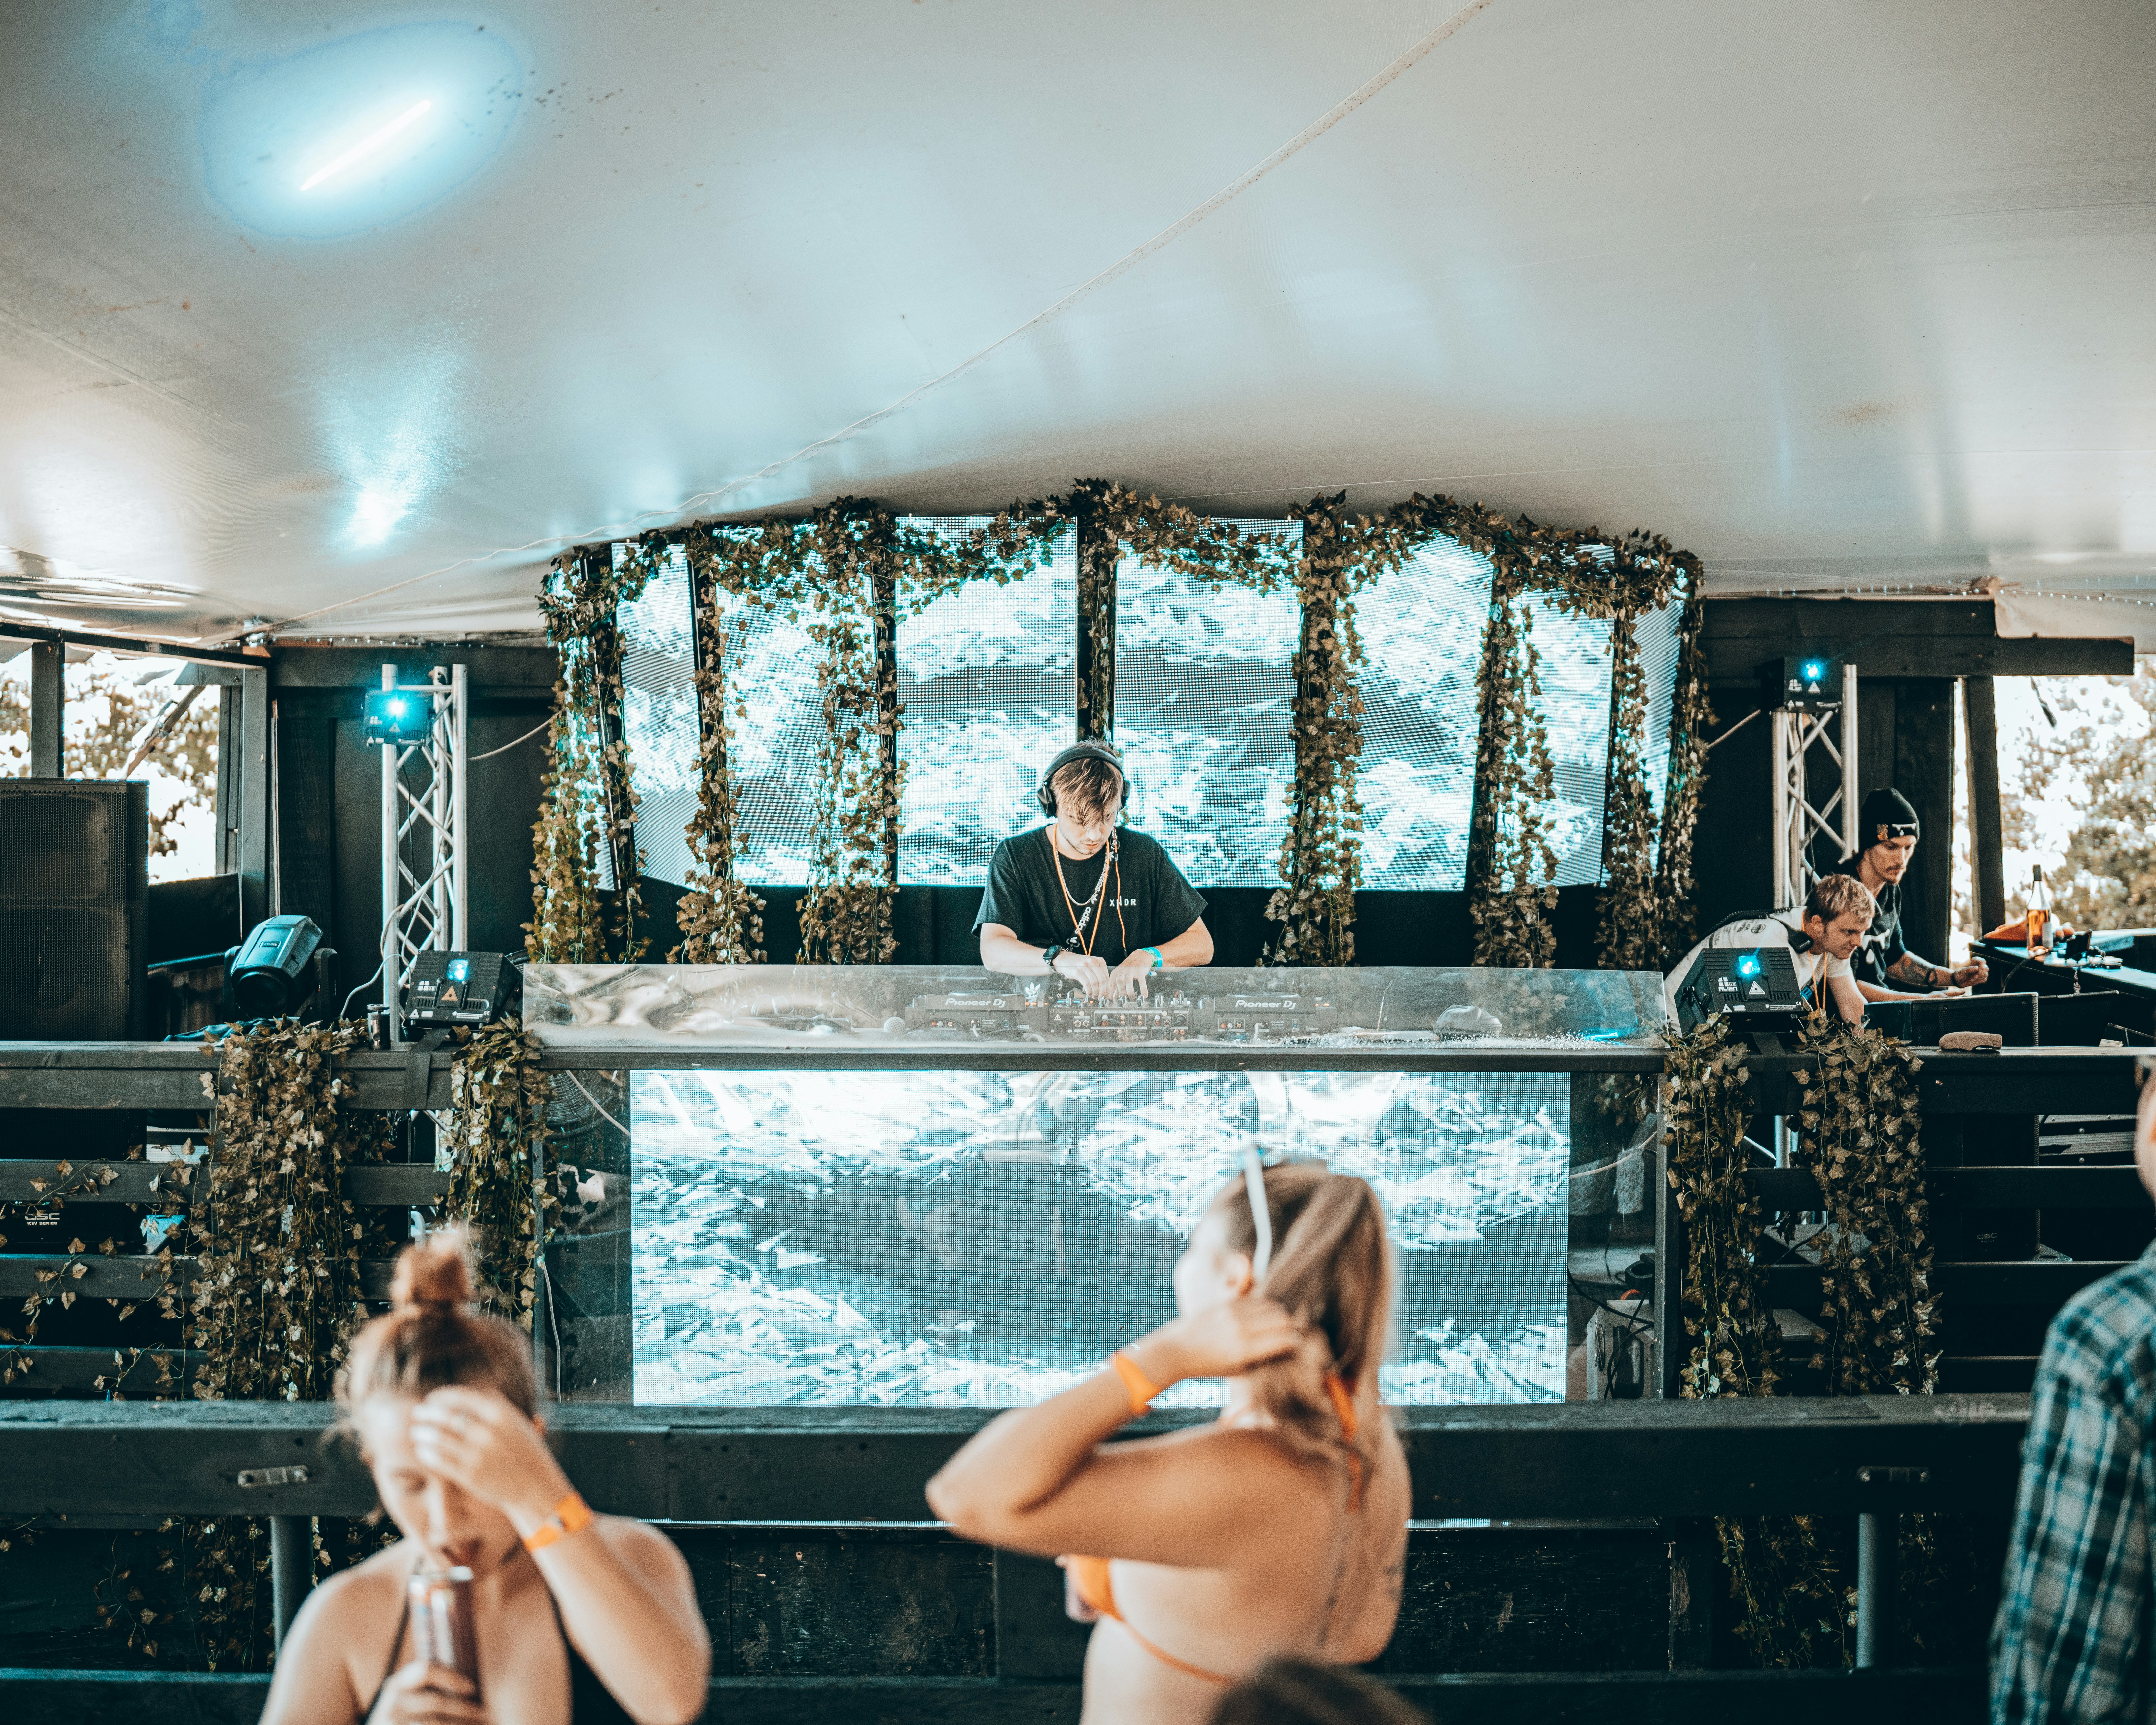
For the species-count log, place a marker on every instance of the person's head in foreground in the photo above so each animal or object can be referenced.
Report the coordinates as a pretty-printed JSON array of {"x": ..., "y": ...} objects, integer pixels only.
[
  {"x": 575, "y": 1614},
  {"x": 1837, "y": 911},
  {"x": 1280, "y": 1528},
  {"x": 1294, "y": 1691}
]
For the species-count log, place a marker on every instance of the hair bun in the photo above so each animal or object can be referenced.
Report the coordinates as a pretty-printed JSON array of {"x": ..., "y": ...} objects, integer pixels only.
[{"x": 436, "y": 1271}]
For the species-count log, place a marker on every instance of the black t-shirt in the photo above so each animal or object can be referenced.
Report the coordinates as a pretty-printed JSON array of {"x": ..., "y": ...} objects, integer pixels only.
[
  {"x": 1148, "y": 901},
  {"x": 1882, "y": 947}
]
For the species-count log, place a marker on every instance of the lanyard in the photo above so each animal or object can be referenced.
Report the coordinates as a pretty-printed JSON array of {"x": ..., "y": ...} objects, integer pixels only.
[{"x": 1080, "y": 921}]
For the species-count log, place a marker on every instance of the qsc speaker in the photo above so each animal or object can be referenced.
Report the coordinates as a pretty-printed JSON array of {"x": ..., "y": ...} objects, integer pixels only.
[{"x": 74, "y": 909}]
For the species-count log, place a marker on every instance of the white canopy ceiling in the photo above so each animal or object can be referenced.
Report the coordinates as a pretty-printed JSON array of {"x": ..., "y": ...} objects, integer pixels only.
[{"x": 1838, "y": 295}]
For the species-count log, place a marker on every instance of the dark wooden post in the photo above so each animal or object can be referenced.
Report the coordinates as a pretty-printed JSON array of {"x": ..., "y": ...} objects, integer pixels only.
[
  {"x": 1098, "y": 551},
  {"x": 1987, "y": 842},
  {"x": 48, "y": 709}
]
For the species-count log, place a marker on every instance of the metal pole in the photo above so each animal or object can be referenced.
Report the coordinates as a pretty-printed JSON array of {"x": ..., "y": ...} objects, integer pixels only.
[
  {"x": 1851, "y": 793},
  {"x": 459, "y": 846},
  {"x": 1784, "y": 725},
  {"x": 291, "y": 1570},
  {"x": 1878, "y": 1563},
  {"x": 390, "y": 895},
  {"x": 440, "y": 890}
]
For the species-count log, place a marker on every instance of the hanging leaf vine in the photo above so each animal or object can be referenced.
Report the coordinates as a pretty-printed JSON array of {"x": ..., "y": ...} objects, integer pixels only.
[
  {"x": 500, "y": 1164},
  {"x": 1677, "y": 916},
  {"x": 1858, "y": 1133},
  {"x": 587, "y": 798}
]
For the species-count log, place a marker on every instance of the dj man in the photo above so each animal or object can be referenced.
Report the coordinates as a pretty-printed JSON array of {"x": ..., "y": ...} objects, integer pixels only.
[
  {"x": 1886, "y": 830},
  {"x": 1085, "y": 897},
  {"x": 1820, "y": 937}
]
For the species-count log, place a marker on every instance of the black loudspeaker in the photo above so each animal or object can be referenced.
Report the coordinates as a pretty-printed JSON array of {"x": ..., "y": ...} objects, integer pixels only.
[{"x": 74, "y": 909}]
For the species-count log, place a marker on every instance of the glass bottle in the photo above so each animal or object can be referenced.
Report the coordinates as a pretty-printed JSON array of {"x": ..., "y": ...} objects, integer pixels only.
[{"x": 2040, "y": 917}]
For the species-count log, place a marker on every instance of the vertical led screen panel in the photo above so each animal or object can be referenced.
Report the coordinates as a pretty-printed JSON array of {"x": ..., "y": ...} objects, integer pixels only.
[
  {"x": 988, "y": 676},
  {"x": 1575, "y": 708},
  {"x": 983, "y": 1238},
  {"x": 1422, "y": 627},
  {"x": 1204, "y": 702},
  {"x": 1656, "y": 633},
  {"x": 771, "y": 669},
  {"x": 658, "y": 719}
]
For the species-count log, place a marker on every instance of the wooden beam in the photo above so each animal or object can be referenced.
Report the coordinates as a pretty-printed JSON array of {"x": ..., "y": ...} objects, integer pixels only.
[
  {"x": 1888, "y": 637},
  {"x": 391, "y": 1185},
  {"x": 1987, "y": 836},
  {"x": 52, "y": 1274},
  {"x": 1559, "y": 1460},
  {"x": 2108, "y": 1187}
]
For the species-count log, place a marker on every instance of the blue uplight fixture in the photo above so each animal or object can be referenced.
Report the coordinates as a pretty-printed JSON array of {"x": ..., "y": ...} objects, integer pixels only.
[
  {"x": 1748, "y": 966},
  {"x": 397, "y": 719}
]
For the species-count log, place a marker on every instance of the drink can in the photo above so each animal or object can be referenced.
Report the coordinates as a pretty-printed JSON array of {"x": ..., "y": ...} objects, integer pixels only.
[{"x": 442, "y": 1629}]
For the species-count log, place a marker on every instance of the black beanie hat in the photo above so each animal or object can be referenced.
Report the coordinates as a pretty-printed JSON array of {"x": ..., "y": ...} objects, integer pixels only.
[{"x": 1886, "y": 814}]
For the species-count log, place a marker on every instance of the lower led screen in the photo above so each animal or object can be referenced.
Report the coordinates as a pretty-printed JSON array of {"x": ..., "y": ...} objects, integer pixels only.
[{"x": 984, "y": 1239}]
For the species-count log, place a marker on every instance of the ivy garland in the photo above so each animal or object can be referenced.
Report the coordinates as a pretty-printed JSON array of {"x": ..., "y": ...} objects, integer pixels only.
[
  {"x": 498, "y": 1150},
  {"x": 1858, "y": 1135},
  {"x": 587, "y": 798},
  {"x": 1675, "y": 915}
]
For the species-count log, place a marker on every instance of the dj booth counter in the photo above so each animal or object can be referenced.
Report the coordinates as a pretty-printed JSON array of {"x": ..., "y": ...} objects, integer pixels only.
[{"x": 919, "y": 1187}]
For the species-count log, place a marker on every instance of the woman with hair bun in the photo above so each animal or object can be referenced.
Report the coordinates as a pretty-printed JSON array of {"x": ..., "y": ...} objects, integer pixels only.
[
  {"x": 575, "y": 1616},
  {"x": 1279, "y": 1529}
]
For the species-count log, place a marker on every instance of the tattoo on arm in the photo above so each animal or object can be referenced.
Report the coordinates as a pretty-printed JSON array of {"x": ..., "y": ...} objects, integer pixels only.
[{"x": 1910, "y": 969}]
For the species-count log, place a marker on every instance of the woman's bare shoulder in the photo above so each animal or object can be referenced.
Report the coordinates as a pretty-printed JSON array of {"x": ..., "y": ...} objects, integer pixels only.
[
  {"x": 628, "y": 1535},
  {"x": 371, "y": 1587}
]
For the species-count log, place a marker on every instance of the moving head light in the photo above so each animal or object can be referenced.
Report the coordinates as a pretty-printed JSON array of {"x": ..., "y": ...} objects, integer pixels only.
[{"x": 272, "y": 974}]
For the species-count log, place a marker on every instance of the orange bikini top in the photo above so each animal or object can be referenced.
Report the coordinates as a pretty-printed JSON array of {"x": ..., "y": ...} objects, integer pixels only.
[{"x": 1090, "y": 1576}]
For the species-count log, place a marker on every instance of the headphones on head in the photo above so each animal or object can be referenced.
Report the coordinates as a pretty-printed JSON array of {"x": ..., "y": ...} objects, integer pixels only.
[{"x": 1044, "y": 790}]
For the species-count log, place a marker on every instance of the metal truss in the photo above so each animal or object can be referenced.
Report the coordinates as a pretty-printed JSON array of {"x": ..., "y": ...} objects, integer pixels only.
[
  {"x": 423, "y": 838},
  {"x": 1798, "y": 819}
]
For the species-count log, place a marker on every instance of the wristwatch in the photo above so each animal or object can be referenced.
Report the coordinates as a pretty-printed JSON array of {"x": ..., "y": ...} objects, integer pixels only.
[{"x": 1049, "y": 954}]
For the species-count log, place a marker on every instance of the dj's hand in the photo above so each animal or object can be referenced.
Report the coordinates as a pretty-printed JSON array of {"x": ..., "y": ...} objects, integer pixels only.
[
  {"x": 1976, "y": 971},
  {"x": 1088, "y": 971},
  {"x": 1131, "y": 979}
]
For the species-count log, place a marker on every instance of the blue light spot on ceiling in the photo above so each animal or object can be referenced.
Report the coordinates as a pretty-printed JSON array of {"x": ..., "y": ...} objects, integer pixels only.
[{"x": 270, "y": 126}]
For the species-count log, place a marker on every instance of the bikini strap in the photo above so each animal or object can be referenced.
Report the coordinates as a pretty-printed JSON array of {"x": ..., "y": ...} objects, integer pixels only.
[{"x": 1344, "y": 1404}]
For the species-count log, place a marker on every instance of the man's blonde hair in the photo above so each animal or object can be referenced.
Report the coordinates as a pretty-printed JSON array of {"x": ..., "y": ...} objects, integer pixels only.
[{"x": 1834, "y": 896}]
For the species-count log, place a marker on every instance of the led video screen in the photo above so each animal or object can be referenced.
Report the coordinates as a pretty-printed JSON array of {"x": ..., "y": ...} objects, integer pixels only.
[
  {"x": 982, "y": 1239},
  {"x": 1204, "y": 701},
  {"x": 988, "y": 678},
  {"x": 1422, "y": 627},
  {"x": 658, "y": 719}
]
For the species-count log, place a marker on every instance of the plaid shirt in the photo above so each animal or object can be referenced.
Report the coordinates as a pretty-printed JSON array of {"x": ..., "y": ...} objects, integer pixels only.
[{"x": 2072, "y": 1640}]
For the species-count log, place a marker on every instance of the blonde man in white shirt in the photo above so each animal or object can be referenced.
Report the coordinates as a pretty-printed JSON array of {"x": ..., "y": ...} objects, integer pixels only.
[{"x": 1820, "y": 938}]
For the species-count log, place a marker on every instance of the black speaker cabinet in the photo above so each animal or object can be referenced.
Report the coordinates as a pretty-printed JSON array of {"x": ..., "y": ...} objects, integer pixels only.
[{"x": 74, "y": 908}]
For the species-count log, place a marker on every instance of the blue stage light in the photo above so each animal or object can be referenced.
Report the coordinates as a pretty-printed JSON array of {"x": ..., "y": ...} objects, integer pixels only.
[
  {"x": 397, "y": 719},
  {"x": 1815, "y": 669},
  {"x": 1748, "y": 966}
]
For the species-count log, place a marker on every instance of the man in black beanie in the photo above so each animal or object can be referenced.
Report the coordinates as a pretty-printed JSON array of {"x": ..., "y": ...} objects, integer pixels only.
[{"x": 1886, "y": 840}]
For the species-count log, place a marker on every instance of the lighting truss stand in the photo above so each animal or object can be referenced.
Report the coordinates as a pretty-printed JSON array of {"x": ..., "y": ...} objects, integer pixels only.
[
  {"x": 424, "y": 837},
  {"x": 1798, "y": 819}
]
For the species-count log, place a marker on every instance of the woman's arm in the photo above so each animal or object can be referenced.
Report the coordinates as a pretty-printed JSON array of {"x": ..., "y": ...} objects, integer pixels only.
[
  {"x": 625, "y": 1591},
  {"x": 1037, "y": 1479}
]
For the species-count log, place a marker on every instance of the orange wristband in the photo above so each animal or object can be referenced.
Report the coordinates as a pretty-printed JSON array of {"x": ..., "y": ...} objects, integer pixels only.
[
  {"x": 1135, "y": 1381},
  {"x": 571, "y": 1514}
]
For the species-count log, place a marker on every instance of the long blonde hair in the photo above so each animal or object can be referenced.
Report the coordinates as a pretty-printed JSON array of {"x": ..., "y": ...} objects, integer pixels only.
[{"x": 1332, "y": 1268}]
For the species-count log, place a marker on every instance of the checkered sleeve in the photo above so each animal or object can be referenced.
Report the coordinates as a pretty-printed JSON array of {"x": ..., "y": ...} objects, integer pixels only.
[{"x": 2071, "y": 1640}]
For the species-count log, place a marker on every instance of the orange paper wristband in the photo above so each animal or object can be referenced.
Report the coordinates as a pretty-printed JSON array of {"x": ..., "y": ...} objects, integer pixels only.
[
  {"x": 1135, "y": 1381},
  {"x": 571, "y": 1514}
]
